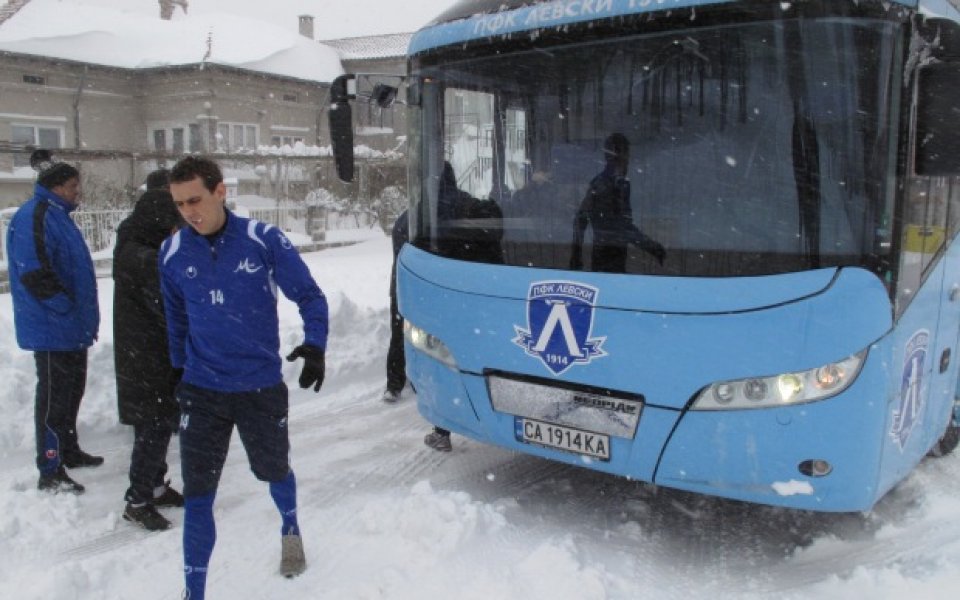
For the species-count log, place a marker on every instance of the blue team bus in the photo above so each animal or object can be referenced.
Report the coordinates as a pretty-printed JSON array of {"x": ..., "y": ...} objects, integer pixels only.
[{"x": 707, "y": 244}]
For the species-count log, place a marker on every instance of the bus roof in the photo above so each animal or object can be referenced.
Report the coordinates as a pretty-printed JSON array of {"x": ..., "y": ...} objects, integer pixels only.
[{"x": 475, "y": 19}]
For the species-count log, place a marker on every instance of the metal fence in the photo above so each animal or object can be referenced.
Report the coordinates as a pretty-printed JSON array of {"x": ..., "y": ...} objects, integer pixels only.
[
  {"x": 99, "y": 227},
  {"x": 300, "y": 194}
]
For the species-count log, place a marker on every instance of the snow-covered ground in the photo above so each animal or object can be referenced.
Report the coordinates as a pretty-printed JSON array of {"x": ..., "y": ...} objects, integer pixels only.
[{"x": 386, "y": 518}]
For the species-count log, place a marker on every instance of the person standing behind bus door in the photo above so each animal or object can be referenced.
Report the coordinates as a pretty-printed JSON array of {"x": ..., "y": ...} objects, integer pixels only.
[
  {"x": 396, "y": 362},
  {"x": 607, "y": 208},
  {"x": 56, "y": 316},
  {"x": 145, "y": 378},
  {"x": 219, "y": 278},
  {"x": 457, "y": 214}
]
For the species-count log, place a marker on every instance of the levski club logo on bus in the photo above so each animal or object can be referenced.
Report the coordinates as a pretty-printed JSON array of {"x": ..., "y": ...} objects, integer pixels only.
[
  {"x": 559, "y": 321},
  {"x": 908, "y": 412}
]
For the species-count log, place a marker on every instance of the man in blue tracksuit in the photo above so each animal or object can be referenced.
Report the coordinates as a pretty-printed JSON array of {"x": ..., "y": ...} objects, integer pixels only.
[
  {"x": 55, "y": 311},
  {"x": 219, "y": 278}
]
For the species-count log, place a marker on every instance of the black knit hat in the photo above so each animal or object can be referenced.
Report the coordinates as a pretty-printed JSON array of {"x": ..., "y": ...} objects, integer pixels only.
[
  {"x": 50, "y": 171},
  {"x": 158, "y": 179}
]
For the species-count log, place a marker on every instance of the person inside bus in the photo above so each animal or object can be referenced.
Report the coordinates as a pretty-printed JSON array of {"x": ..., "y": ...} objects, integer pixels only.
[
  {"x": 469, "y": 228},
  {"x": 606, "y": 207}
]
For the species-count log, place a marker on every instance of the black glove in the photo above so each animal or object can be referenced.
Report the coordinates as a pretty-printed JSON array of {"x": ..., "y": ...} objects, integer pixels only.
[{"x": 314, "y": 366}]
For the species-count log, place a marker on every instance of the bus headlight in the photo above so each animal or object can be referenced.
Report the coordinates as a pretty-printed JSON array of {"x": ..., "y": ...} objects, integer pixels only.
[
  {"x": 779, "y": 390},
  {"x": 428, "y": 344}
]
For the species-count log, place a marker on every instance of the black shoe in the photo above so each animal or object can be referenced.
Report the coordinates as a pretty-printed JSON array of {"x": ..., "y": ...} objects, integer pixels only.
[
  {"x": 58, "y": 482},
  {"x": 438, "y": 441},
  {"x": 146, "y": 516},
  {"x": 79, "y": 458},
  {"x": 170, "y": 497}
]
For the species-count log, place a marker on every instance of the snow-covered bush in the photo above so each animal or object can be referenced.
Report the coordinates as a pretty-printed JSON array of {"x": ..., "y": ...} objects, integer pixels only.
[{"x": 388, "y": 205}]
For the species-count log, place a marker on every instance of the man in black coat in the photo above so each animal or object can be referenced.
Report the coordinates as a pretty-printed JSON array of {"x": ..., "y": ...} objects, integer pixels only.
[
  {"x": 396, "y": 362},
  {"x": 145, "y": 378}
]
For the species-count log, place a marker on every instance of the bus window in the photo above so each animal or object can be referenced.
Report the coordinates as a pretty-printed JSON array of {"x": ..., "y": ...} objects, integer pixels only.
[
  {"x": 468, "y": 147},
  {"x": 748, "y": 157},
  {"x": 953, "y": 208},
  {"x": 924, "y": 233}
]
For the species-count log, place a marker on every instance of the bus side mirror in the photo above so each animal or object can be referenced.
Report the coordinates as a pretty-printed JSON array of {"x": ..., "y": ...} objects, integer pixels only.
[
  {"x": 341, "y": 126},
  {"x": 384, "y": 95},
  {"x": 937, "y": 144}
]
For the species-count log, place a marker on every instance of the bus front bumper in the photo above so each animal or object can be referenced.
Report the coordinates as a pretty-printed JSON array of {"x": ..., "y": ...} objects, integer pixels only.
[{"x": 756, "y": 456}]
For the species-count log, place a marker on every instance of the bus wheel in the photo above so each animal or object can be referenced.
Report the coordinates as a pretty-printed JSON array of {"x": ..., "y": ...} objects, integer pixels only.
[{"x": 946, "y": 444}]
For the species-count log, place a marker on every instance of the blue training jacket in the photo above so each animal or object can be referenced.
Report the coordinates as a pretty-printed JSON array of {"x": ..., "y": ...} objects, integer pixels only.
[
  {"x": 52, "y": 281},
  {"x": 220, "y": 300}
]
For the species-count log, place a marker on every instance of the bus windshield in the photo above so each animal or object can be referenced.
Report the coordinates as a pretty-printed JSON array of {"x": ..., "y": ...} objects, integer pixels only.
[{"x": 750, "y": 149}]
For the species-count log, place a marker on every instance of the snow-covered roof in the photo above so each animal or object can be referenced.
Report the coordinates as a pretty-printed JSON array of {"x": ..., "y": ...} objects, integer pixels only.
[
  {"x": 104, "y": 36},
  {"x": 392, "y": 45}
]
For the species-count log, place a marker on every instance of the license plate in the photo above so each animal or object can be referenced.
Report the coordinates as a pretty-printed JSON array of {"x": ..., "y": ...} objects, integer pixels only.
[
  {"x": 615, "y": 415},
  {"x": 578, "y": 441}
]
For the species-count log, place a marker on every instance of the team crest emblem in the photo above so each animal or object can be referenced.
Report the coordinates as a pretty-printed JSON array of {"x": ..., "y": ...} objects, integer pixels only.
[
  {"x": 559, "y": 323},
  {"x": 908, "y": 412}
]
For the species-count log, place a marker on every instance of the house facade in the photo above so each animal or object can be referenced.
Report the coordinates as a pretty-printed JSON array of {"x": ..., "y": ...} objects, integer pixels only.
[
  {"x": 269, "y": 130},
  {"x": 94, "y": 111}
]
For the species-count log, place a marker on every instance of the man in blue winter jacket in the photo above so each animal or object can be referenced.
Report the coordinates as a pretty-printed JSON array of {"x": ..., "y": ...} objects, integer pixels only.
[
  {"x": 55, "y": 312},
  {"x": 219, "y": 278}
]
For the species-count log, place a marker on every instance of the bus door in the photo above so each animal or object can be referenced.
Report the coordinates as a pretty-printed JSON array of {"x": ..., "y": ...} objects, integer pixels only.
[
  {"x": 948, "y": 343},
  {"x": 912, "y": 347}
]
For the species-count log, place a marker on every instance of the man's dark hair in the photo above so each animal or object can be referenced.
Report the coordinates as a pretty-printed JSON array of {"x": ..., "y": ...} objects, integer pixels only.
[
  {"x": 189, "y": 168},
  {"x": 57, "y": 175},
  {"x": 158, "y": 179}
]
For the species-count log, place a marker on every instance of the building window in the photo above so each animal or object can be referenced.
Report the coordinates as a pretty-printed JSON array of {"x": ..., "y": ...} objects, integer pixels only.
[
  {"x": 285, "y": 140},
  {"x": 34, "y": 135},
  {"x": 290, "y": 98},
  {"x": 160, "y": 140},
  {"x": 178, "y": 140},
  {"x": 374, "y": 116},
  {"x": 232, "y": 137},
  {"x": 35, "y": 79},
  {"x": 196, "y": 139}
]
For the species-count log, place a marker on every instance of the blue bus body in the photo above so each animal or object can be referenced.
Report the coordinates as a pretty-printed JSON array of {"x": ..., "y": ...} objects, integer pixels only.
[{"x": 789, "y": 338}]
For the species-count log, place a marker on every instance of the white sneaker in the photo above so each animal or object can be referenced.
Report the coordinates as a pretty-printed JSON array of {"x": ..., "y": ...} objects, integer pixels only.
[{"x": 390, "y": 396}]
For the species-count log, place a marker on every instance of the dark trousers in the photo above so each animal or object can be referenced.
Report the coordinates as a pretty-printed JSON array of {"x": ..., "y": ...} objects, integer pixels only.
[
  {"x": 207, "y": 419},
  {"x": 148, "y": 460},
  {"x": 396, "y": 362},
  {"x": 61, "y": 381}
]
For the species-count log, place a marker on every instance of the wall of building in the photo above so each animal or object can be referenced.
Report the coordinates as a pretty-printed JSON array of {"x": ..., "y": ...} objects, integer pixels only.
[
  {"x": 49, "y": 94},
  {"x": 275, "y": 110}
]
